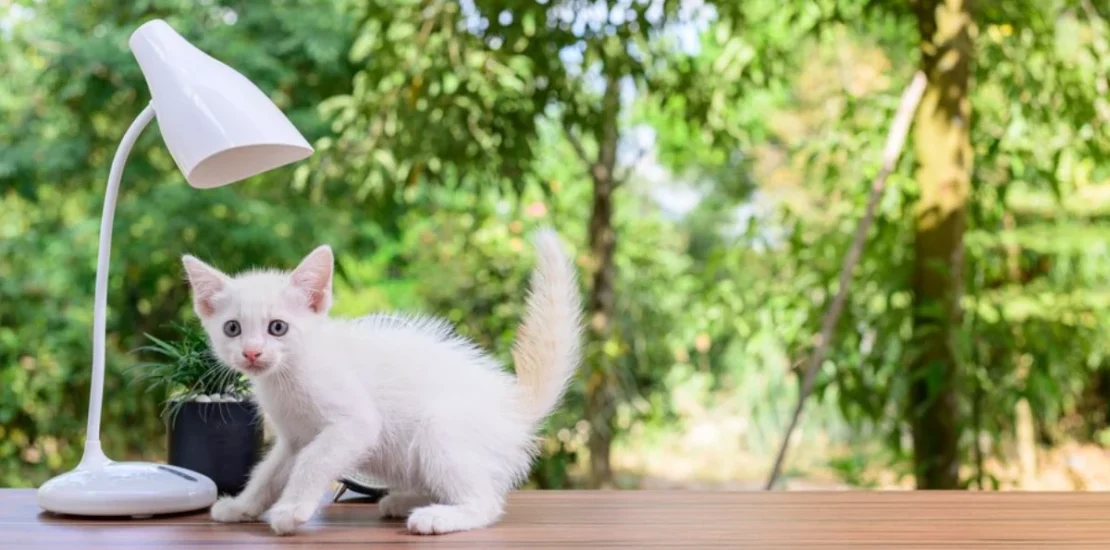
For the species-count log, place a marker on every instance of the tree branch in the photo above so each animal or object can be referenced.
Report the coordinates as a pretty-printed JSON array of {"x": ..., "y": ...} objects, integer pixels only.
[
  {"x": 896, "y": 138},
  {"x": 630, "y": 168},
  {"x": 609, "y": 135},
  {"x": 576, "y": 143}
]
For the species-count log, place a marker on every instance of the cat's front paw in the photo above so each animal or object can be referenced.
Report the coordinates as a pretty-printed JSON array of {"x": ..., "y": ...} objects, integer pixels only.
[
  {"x": 233, "y": 510},
  {"x": 285, "y": 518}
]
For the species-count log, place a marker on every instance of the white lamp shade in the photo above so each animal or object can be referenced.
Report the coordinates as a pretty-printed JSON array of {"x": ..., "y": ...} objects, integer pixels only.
[{"x": 219, "y": 127}]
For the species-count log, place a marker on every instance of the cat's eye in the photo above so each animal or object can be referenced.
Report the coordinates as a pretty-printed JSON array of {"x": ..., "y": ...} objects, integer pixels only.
[
  {"x": 278, "y": 327},
  {"x": 232, "y": 329}
]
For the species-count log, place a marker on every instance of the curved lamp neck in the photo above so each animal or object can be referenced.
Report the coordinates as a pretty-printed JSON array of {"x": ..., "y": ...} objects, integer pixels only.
[{"x": 93, "y": 455}]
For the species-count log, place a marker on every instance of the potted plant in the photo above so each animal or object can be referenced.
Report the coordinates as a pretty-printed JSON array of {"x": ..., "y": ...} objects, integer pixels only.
[{"x": 213, "y": 427}]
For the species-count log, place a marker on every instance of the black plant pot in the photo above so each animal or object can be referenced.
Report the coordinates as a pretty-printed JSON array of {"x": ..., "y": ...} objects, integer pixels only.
[{"x": 220, "y": 440}]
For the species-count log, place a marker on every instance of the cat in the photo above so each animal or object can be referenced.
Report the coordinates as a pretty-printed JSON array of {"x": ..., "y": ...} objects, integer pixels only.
[{"x": 404, "y": 399}]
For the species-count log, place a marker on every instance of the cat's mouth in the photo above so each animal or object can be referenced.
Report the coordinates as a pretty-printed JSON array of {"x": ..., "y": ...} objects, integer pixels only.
[{"x": 254, "y": 369}]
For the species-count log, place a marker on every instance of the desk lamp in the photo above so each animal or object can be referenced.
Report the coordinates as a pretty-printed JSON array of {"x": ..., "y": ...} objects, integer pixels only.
[{"x": 220, "y": 129}]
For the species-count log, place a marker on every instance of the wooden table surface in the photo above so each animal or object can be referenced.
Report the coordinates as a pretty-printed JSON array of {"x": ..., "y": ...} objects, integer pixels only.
[{"x": 633, "y": 519}]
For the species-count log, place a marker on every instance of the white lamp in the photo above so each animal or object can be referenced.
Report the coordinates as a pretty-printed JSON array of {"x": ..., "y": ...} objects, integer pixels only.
[{"x": 219, "y": 129}]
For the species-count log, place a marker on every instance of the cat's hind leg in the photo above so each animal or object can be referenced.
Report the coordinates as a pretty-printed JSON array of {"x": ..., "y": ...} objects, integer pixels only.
[
  {"x": 468, "y": 472},
  {"x": 439, "y": 519},
  {"x": 467, "y": 496}
]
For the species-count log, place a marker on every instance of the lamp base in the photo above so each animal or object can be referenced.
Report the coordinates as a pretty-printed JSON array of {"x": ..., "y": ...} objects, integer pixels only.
[{"x": 137, "y": 489}]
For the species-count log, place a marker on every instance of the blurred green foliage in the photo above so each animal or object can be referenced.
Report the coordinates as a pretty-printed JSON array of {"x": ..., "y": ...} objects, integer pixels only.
[{"x": 737, "y": 160}]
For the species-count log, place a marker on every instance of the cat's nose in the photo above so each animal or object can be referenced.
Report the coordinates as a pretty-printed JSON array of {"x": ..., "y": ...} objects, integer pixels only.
[{"x": 252, "y": 355}]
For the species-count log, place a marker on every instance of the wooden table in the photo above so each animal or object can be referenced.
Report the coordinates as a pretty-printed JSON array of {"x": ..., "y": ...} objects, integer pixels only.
[{"x": 635, "y": 519}]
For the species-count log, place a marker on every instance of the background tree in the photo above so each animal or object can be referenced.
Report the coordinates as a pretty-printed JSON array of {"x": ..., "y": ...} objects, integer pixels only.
[
  {"x": 947, "y": 410},
  {"x": 945, "y": 158}
]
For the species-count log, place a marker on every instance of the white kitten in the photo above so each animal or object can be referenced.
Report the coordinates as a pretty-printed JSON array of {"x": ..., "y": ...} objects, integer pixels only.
[{"x": 405, "y": 400}]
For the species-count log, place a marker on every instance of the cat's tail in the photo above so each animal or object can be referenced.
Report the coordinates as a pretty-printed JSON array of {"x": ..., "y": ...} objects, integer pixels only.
[{"x": 547, "y": 350}]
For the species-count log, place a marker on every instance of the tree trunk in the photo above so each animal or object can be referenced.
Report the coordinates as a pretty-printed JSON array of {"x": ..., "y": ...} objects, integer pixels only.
[
  {"x": 1024, "y": 427},
  {"x": 943, "y": 144},
  {"x": 600, "y": 305}
]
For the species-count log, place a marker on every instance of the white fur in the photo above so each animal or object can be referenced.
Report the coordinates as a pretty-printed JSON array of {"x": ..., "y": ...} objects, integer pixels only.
[{"x": 404, "y": 399}]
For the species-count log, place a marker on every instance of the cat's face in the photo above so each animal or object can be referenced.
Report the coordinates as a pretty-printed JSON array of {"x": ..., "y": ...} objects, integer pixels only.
[{"x": 256, "y": 320}]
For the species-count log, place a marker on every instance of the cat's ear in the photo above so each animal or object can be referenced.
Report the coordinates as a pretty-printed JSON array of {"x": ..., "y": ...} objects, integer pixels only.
[
  {"x": 313, "y": 277},
  {"x": 206, "y": 281}
]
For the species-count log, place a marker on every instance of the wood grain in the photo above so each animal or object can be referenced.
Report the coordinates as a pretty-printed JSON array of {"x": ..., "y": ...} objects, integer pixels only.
[{"x": 632, "y": 519}]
